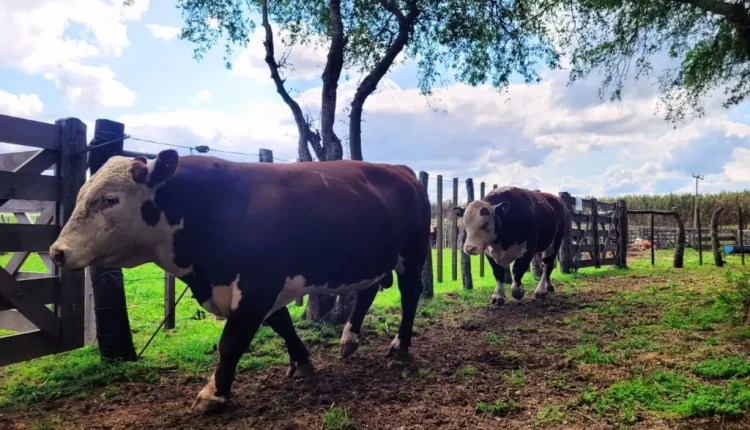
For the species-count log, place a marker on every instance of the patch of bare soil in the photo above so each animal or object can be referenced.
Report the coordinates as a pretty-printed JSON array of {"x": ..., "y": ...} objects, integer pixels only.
[{"x": 452, "y": 369}]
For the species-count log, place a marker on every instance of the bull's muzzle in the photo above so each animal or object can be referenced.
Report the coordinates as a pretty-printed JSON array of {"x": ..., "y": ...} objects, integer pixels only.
[
  {"x": 57, "y": 255},
  {"x": 471, "y": 249}
]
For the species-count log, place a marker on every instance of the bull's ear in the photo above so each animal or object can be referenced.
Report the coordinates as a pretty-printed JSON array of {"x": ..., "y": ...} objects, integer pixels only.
[
  {"x": 501, "y": 209},
  {"x": 139, "y": 170},
  {"x": 459, "y": 211},
  {"x": 164, "y": 167}
]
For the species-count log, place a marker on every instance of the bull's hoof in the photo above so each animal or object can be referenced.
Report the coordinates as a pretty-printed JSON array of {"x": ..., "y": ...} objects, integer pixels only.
[
  {"x": 206, "y": 405},
  {"x": 497, "y": 301},
  {"x": 207, "y": 400},
  {"x": 348, "y": 349},
  {"x": 300, "y": 371},
  {"x": 397, "y": 350},
  {"x": 550, "y": 288},
  {"x": 397, "y": 353},
  {"x": 540, "y": 296},
  {"x": 518, "y": 293}
]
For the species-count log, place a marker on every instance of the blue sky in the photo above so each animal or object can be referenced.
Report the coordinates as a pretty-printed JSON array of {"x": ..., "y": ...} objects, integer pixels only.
[{"x": 94, "y": 59}]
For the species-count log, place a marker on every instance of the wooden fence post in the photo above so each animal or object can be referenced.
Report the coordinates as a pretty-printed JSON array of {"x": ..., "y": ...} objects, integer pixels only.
[
  {"x": 466, "y": 258},
  {"x": 566, "y": 260},
  {"x": 454, "y": 233},
  {"x": 72, "y": 170},
  {"x": 679, "y": 251},
  {"x": 481, "y": 256},
  {"x": 623, "y": 230},
  {"x": 740, "y": 240},
  {"x": 700, "y": 236},
  {"x": 169, "y": 305},
  {"x": 718, "y": 260},
  {"x": 265, "y": 155},
  {"x": 427, "y": 281},
  {"x": 439, "y": 242},
  {"x": 112, "y": 324},
  {"x": 595, "y": 222},
  {"x": 653, "y": 245}
]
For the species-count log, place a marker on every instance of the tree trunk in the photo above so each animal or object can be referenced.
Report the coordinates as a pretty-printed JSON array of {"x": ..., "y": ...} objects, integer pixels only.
[{"x": 370, "y": 82}]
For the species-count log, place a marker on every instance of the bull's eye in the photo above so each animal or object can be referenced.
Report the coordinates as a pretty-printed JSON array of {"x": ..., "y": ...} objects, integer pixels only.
[
  {"x": 108, "y": 201},
  {"x": 485, "y": 226}
]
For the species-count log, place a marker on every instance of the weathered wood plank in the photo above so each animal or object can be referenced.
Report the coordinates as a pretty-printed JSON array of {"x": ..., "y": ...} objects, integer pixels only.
[
  {"x": 31, "y": 308},
  {"x": 41, "y": 289},
  {"x": 32, "y": 238},
  {"x": 15, "y": 263},
  {"x": 26, "y": 206},
  {"x": 26, "y": 132},
  {"x": 10, "y": 160},
  {"x": 588, "y": 247},
  {"x": 592, "y": 263},
  {"x": 25, "y": 346},
  {"x": 15, "y": 321},
  {"x": 29, "y": 186}
]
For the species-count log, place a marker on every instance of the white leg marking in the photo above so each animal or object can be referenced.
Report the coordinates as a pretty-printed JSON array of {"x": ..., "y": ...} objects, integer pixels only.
[
  {"x": 498, "y": 297},
  {"x": 207, "y": 398},
  {"x": 396, "y": 343},
  {"x": 541, "y": 288},
  {"x": 400, "y": 265},
  {"x": 348, "y": 336},
  {"x": 236, "y": 294}
]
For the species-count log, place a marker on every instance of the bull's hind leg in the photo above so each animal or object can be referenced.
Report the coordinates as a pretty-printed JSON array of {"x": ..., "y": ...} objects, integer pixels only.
[
  {"x": 520, "y": 267},
  {"x": 498, "y": 271},
  {"x": 299, "y": 357},
  {"x": 410, "y": 286},
  {"x": 362, "y": 303},
  {"x": 545, "y": 284}
]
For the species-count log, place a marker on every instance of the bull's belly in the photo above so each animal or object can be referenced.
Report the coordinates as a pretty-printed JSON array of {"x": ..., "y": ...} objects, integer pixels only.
[{"x": 297, "y": 286}]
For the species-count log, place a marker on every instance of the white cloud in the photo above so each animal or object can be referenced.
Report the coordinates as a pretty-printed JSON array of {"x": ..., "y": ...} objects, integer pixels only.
[
  {"x": 163, "y": 31},
  {"x": 203, "y": 96},
  {"x": 23, "y": 105},
  {"x": 41, "y": 36},
  {"x": 91, "y": 85}
]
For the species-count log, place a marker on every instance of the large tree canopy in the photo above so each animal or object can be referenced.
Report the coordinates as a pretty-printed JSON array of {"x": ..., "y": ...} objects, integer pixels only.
[
  {"x": 710, "y": 39},
  {"x": 480, "y": 42}
]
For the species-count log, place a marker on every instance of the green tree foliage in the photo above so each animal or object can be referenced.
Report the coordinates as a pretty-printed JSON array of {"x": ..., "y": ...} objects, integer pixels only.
[
  {"x": 684, "y": 204},
  {"x": 479, "y": 42},
  {"x": 709, "y": 38}
]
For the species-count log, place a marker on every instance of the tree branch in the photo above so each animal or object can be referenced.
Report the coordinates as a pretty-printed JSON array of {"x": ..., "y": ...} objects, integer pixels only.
[
  {"x": 370, "y": 82},
  {"x": 331, "y": 74},
  {"x": 735, "y": 13}
]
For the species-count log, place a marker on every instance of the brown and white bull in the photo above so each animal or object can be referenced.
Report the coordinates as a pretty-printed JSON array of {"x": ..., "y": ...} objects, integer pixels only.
[
  {"x": 250, "y": 238},
  {"x": 515, "y": 224}
]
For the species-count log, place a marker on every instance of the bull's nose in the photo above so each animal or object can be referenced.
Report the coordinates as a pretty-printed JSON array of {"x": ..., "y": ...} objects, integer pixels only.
[
  {"x": 471, "y": 250},
  {"x": 57, "y": 255}
]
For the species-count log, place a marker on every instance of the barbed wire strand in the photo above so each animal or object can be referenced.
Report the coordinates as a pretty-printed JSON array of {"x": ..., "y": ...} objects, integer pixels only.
[{"x": 169, "y": 314}]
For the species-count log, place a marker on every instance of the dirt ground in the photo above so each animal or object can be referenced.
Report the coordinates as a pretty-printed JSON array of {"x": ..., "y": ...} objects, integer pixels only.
[{"x": 431, "y": 389}]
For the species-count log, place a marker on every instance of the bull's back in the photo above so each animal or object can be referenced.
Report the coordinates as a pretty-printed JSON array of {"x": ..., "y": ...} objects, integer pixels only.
[{"x": 561, "y": 215}]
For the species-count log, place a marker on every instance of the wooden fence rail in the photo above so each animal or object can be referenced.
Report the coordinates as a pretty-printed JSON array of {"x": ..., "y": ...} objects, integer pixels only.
[{"x": 24, "y": 188}]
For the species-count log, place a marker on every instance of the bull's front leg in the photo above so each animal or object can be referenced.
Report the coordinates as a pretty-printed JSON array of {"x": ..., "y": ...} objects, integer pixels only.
[
  {"x": 520, "y": 267},
  {"x": 498, "y": 271},
  {"x": 299, "y": 357},
  {"x": 239, "y": 330}
]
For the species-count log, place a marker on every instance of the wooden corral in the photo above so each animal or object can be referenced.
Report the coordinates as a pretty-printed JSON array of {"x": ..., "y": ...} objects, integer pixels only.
[{"x": 47, "y": 308}]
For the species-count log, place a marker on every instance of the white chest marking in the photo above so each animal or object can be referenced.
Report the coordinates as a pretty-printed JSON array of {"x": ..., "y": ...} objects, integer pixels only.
[
  {"x": 297, "y": 287},
  {"x": 224, "y": 298},
  {"x": 504, "y": 257}
]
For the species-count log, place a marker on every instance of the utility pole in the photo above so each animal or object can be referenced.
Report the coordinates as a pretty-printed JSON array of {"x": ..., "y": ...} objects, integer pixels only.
[{"x": 695, "y": 200}]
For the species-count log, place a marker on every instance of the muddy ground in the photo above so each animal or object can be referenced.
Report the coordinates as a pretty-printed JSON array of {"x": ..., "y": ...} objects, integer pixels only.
[{"x": 517, "y": 354}]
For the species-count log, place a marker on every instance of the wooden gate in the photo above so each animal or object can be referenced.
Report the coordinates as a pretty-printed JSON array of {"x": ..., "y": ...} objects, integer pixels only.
[
  {"x": 47, "y": 308},
  {"x": 598, "y": 235}
]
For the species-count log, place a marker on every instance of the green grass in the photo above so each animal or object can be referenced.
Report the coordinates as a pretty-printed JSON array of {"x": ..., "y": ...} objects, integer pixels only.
[
  {"x": 337, "y": 418},
  {"x": 691, "y": 316}
]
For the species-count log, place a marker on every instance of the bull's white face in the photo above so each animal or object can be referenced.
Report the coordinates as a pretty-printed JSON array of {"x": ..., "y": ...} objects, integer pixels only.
[
  {"x": 107, "y": 226},
  {"x": 480, "y": 219}
]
